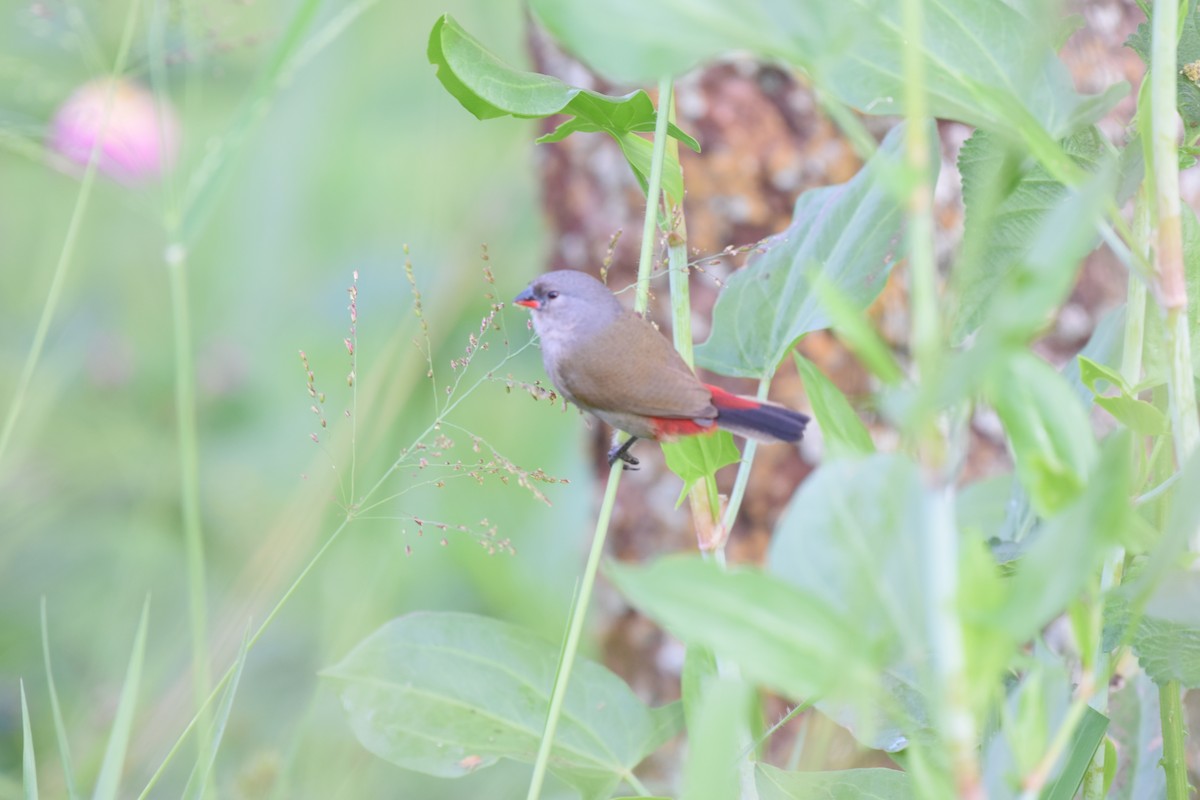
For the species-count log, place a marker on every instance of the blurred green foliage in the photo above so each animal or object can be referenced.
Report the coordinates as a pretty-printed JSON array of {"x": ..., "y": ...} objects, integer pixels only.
[{"x": 360, "y": 153}]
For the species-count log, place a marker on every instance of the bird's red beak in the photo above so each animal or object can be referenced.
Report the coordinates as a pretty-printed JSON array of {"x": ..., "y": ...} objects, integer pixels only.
[{"x": 527, "y": 299}]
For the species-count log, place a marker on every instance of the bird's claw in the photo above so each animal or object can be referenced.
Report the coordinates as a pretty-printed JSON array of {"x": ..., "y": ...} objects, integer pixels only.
[{"x": 621, "y": 453}]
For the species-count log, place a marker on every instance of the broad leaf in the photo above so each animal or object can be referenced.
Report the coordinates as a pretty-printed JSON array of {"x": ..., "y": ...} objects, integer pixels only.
[
  {"x": 989, "y": 63},
  {"x": 449, "y": 693},
  {"x": 1011, "y": 223},
  {"x": 1048, "y": 429},
  {"x": 843, "y": 432},
  {"x": 489, "y": 88},
  {"x": 848, "y": 235},
  {"x": 847, "y": 784},
  {"x": 699, "y": 457},
  {"x": 699, "y": 667},
  {"x": 782, "y": 638},
  {"x": 852, "y": 536}
]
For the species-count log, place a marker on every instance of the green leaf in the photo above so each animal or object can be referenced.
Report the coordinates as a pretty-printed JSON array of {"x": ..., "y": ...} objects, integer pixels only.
[
  {"x": 847, "y": 234},
  {"x": 197, "y": 783},
  {"x": 852, "y": 327},
  {"x": 1071, "y": 546},
  {"x": 1024, "y": 233},
  {"x": 1137, "y": 729},
  {"x": 1187, "y": 92},
  {"x": 989, "y": 63},
  {"x": 847, "y": 784},
  {"x": 699, "y": 457},
  {"x": 851, "y": 536},
  {"x": 1047, "y": 426},
  {"x": 1137, "y": 415},
  {"x": 699, "y": 667},
  {"x": 710, "y": 772},
  {"x": 489, "y": 88},
  {"x": 838, "y": 540},
  {"x": 844, "y": 433},
  {"x": 1088, "y": 735},
  {"x": 448, "y": 693},
  {"x": 1167, "y": 638},
  {"x": 780, "y": 637},
  {"x": 109, "y": 779},
  {"x": 29, "y": 782},
  {"x": 60, "y": 728}
]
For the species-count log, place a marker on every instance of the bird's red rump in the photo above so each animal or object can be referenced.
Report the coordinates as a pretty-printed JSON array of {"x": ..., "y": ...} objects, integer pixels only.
[
  {"x": 671, "y": 428},
  {"x": 723, "y": 399}
]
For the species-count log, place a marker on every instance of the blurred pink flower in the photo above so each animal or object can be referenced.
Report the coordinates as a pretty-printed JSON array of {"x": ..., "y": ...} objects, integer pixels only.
[{"x": 139, "y": 145}]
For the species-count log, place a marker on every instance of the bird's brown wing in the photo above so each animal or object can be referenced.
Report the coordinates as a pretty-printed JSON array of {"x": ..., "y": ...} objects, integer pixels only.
[{"x": 630, "y": 367}]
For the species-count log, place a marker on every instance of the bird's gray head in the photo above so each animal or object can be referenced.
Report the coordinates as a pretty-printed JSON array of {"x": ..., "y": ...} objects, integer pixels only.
[{"x": 567, "y": 302}]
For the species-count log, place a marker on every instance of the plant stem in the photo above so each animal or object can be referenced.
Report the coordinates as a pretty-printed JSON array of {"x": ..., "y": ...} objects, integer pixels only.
[
  {"x": 579, "y": 609},
  {"x": 1110, "y": 576},
  {"x": 956, "y": 722},
  {"x": 67, "y": 253},
  {"x": 189, "y": 478},
  {"x": 1172, "y": 296}
]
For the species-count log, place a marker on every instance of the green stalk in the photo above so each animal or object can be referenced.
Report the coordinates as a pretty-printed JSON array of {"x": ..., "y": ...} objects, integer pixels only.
[
  {"x": 956, "y": 722},
  {"x": 1172, "y": 296},
  {"x": 579, "y": 610},
  {"x": 1110, "y": 577},
  {"x": 189, "y": 477},
  {"x": 67, "y": 253}
]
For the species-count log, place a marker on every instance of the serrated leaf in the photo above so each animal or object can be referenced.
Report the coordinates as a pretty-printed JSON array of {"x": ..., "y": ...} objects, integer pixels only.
[
  {"x": 1187, "y": 92},
  {"x": 780, "y": 637},
  {"x": 489, "y": 88},
  {"x": 1048, "y": 429},
  {"x": 989, "y": 63},
  {"x": 1167, "y": 638},
  {"x": 448, "y": 693},
  {"x": 847, "y": 784},
  {"x": 843, "y": 432},
  {"x": 1024, "y": 233},
  {"x": 848, "y": 235}
]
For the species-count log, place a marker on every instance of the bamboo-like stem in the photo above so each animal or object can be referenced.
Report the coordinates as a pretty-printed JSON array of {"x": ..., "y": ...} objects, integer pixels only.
[
  {"x": 1171, "y": 289},
  {"x": 579, "y": 610}
]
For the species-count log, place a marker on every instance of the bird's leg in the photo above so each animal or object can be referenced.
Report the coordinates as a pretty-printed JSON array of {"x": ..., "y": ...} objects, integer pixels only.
[{"x": 622, "y": 452}]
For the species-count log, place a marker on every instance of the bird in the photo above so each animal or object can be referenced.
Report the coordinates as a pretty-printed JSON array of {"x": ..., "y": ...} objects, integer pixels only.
[{"x": 615, "y": 365}]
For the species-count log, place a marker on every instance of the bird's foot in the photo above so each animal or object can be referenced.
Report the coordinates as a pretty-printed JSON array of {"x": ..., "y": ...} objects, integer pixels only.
[{"x": 622, "y": 453}]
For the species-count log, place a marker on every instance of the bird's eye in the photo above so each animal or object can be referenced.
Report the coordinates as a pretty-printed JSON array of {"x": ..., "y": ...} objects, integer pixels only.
[{"x": 551, "y": 295}]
